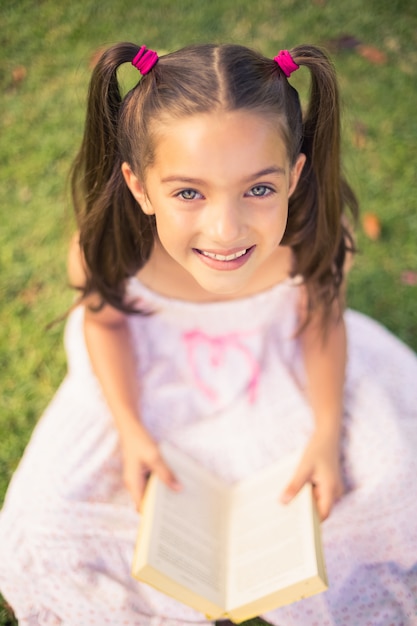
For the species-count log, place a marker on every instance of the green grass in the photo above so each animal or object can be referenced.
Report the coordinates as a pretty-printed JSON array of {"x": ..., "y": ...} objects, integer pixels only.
[{"x": 50, "y": 45}]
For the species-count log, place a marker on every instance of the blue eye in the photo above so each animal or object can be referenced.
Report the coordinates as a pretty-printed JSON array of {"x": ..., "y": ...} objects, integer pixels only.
[
  {"x": 260, "y": 191},
  {"x": 189, "y": 194}
]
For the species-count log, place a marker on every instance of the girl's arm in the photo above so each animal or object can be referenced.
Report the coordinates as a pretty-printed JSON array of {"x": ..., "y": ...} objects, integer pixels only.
[
  {"x": 112, "y": 357},
  {"x": 325, "y": 362}
]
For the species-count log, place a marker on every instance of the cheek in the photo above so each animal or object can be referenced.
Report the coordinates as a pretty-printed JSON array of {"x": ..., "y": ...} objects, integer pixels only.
[
  {"x": 170, "y": 222},
  {"x": 278, "y": 222},
  {"x": 171, "y": 228}
]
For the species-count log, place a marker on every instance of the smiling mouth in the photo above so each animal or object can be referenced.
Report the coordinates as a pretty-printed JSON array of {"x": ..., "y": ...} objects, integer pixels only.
[{"x": 224, "y": 257}]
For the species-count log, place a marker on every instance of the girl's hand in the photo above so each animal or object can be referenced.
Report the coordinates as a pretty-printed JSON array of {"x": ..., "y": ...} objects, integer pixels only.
[
  {"x": 320, "y": 465},
  {"x": 141, "y": 457}
]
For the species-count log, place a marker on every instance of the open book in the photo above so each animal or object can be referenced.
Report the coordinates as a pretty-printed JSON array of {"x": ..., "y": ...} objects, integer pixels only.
[{"x": 229, "y": 551}]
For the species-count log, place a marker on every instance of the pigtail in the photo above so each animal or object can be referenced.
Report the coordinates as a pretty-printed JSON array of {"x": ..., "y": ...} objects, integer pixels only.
[
  {"x": 317, "y": 229},
  {"x": 107, "y": 215}
]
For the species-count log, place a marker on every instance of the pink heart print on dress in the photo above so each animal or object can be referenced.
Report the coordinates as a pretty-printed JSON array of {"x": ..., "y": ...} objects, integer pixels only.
[{"x": 222, "y": 365}]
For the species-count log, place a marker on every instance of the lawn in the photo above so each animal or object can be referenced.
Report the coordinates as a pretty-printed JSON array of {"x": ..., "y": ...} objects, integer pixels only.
[{"x": 47, "y": 50}]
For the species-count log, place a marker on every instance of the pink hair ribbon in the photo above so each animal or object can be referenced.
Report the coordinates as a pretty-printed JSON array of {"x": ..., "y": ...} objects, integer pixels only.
[
  {"x": 286, "y": 63},
  {"x": 145, "y": 60}
]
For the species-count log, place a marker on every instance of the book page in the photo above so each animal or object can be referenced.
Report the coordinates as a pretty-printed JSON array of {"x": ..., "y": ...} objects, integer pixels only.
[
  {"x": 271, "y": 544},
  {"x": 190, "y": 529}
]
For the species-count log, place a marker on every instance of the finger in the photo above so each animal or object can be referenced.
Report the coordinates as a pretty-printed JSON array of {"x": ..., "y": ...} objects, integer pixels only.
[
  {"x": 165, "y": 474},
  {"x": 137, "y": 488},
  {"x": 324, "y": 502},
  {"x": 326, "y": 495},
  {"x": 298, "y": 480}
]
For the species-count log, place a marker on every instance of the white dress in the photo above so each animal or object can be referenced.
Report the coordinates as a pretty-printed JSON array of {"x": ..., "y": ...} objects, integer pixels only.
[{"x": 223, "y": 382}]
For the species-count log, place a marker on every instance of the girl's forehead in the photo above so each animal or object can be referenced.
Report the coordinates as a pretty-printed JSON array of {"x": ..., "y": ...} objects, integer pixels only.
[
  {"x": 216, "y": 118},
  {"x": 230, "y": 145},
  {"x": 218, "y": 131}
]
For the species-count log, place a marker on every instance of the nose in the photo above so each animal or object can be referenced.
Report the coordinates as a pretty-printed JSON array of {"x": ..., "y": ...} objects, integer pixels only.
[{"x": 225, "y": 222}]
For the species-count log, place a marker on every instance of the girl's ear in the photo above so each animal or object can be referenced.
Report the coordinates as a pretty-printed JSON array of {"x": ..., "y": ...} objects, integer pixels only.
[
  {"x": 137, "y": 189},
  {"x": 296, "y": 173}
]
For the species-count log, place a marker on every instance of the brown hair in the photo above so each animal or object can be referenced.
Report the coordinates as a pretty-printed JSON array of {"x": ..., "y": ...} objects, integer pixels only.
[{"x": 116, "y": 237}]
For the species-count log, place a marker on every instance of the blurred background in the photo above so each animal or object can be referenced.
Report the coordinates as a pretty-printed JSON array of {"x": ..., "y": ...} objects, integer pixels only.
[{"x": 47, "y": 52}]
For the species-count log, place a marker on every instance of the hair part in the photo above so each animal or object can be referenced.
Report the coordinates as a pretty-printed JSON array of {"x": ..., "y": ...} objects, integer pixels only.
[{"x": 116, "y": 237}]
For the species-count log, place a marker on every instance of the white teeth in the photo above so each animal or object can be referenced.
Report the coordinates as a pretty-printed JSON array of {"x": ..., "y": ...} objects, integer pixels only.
[{"x": 222, "y": 257}]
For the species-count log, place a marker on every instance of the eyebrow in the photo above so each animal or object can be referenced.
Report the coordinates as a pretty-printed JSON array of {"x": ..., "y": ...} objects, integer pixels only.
[
  {"x": 197, "y": 181},
  {"x": 275, "y": 169}
]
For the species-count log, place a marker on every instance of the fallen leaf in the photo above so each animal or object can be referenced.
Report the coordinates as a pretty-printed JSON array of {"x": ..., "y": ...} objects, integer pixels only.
[
  {"x": 371, "y": 226},
  {"x": 19, "y": 74},
  {"x": 372, "y": 54},
  {"x": 409, "y": 278}
]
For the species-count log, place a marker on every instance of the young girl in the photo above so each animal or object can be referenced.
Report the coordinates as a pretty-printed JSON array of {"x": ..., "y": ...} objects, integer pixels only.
[{"x": 212, "y": 250}]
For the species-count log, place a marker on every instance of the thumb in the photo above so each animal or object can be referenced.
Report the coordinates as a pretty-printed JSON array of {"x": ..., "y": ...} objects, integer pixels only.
[{"x": 300, "y": 477}]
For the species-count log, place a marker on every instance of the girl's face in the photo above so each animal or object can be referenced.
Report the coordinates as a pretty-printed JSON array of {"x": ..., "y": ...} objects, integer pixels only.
[{"x": 219, "y": 189}]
